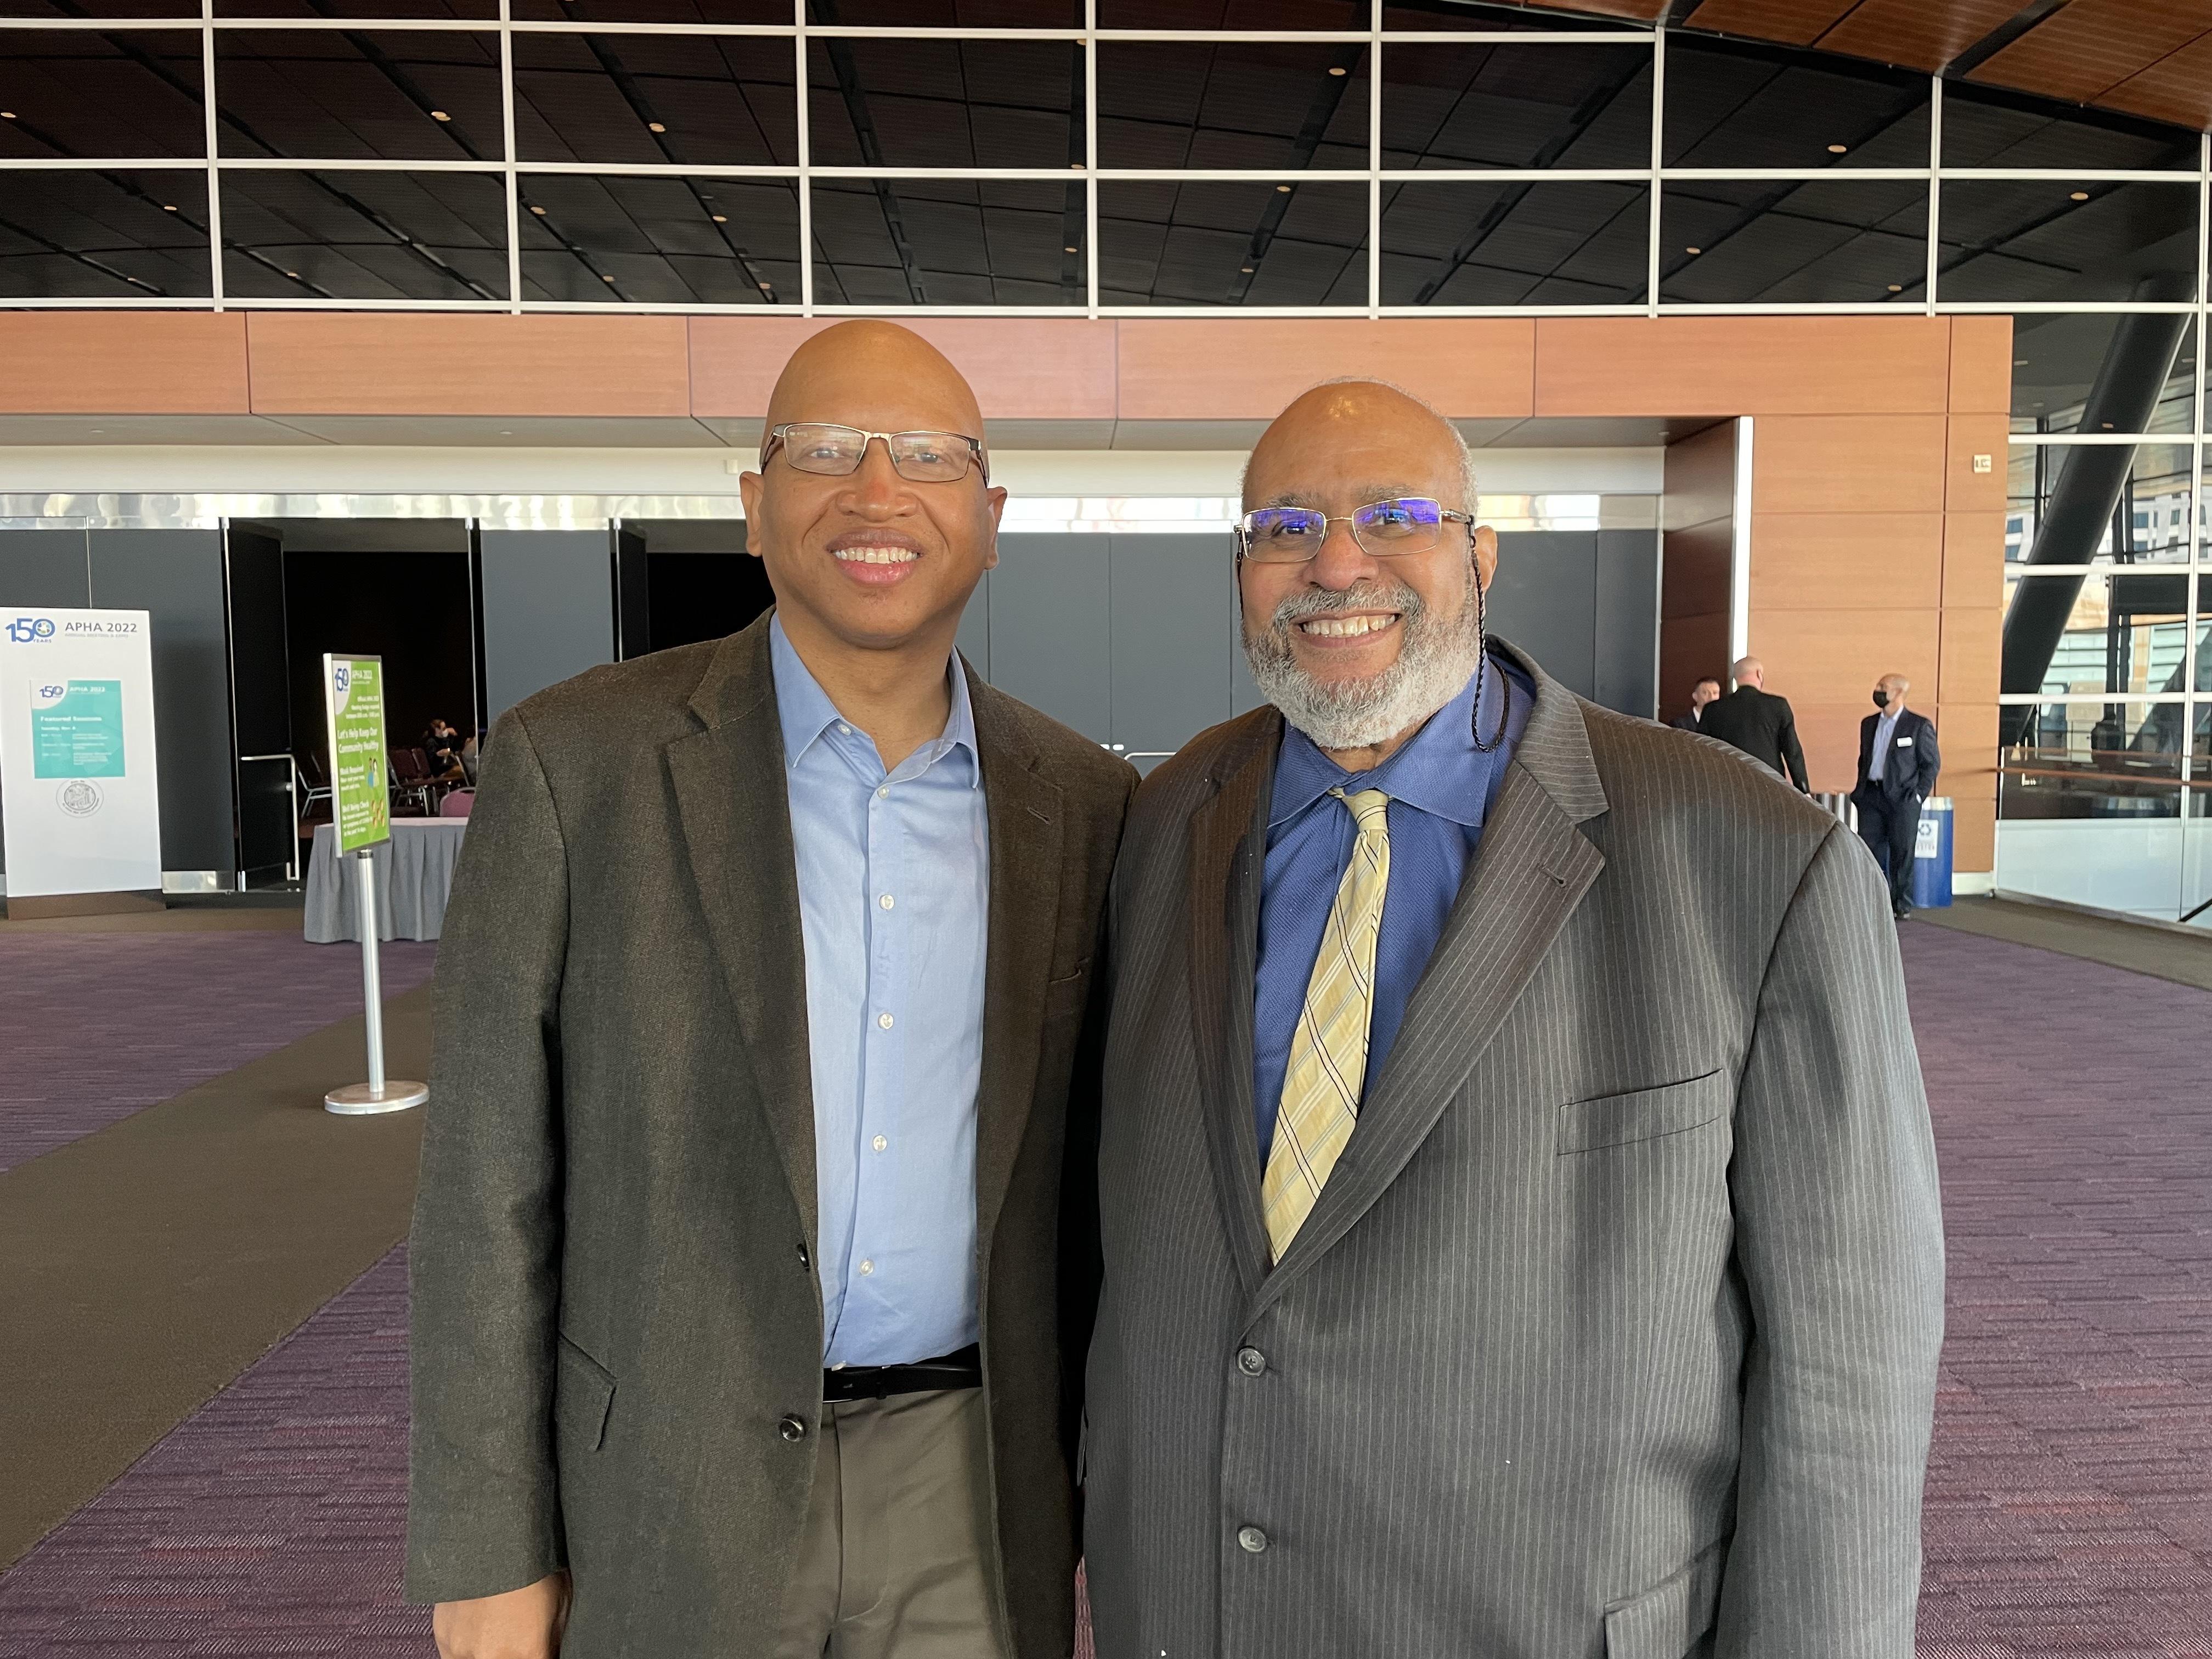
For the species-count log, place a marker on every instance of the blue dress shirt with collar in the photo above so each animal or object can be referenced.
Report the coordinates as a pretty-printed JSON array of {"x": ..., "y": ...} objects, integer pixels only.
[
  {"x": 894, "y": 901},
  {"x": 1885, "y": 733},
  {"x": 1440, "y": 788}
]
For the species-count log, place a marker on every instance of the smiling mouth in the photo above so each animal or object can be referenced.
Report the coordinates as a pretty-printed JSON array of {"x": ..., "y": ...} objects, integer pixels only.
[
  {"x": 1345, "y": 627},
  {"x": 874, "y": 555}
]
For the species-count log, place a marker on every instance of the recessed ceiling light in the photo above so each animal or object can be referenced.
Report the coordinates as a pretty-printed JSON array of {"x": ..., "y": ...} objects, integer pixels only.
[
  {"x": 1837, "y": 149},
  {"x": 1336, "y": 70},
  {"x": 537, "y": 209},
  {"x": 606, "y": 279},
  {"x": 2079, "y": 195},
  {"x": 1283, "y": 189},
  {"x": 1694, "y": 250},
  {"x": 440, "y": 115},
  {"x": 767, "y": 288},
  {"x": 655, "y": 126},
  {"x": 1897, "y": 288},
  {"x": 97, "y": 430},
  {"x": 168, "y": 207},
  {"x": 7, "y": 114},
  {"x": 1071, "y": 248},
  {"x": 720, "y": 218},
  {"x": 2107, "y": 425},
  {"x": 1246, "y": 270},
  {"x": 505, "y": 432},
  {"x": 294, "y": 275},
  {"x": 2019, "y": 362}
]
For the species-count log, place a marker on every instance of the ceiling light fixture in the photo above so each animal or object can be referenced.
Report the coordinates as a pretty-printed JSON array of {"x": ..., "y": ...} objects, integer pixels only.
[
  {"x": 2019, "y": 362},
  {"x": 7, "y": 114},
  {"x": 720, "y": 218},
  {"x": 655, "y": 126},
  {"x": 1337, "y": 68},
  {"x": 1897, "y": 288},
  {"x": 1283, "y": 189},
  {"x": 1246, "y": 270},
  {"x": 1837, "y": 149},
  {"x": 440, "y": 115},
  {"x": 767, "y": 288},
  {"x": 2079, "y": 195},
  {"x": 168, "y": 207},
  {"x": 537, "y": 209},
  {"x": 606, "y": 279},
  {"x": 1071, "y": 248},
  {"x": 294, "y": 275},
  {"x": 1694, "y": 250}
]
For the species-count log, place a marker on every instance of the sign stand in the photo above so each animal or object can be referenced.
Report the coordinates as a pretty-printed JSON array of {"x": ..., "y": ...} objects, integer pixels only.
[{"x": 360, "y": 813}]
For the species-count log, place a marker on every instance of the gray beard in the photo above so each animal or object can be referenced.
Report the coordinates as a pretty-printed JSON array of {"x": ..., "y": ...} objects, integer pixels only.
[{"x": 1436, "y": 659}]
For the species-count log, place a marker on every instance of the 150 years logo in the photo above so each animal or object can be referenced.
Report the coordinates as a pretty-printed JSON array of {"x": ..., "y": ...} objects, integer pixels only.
[{"x": 24, "y": 629}]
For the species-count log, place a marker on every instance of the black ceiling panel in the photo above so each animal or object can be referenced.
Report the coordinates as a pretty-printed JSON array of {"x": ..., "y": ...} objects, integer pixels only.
[
  {"x": 1469, "y": 243},
  {"x": 130, "y": 92},
  {"x": 105, "y": 235},
  {"x": 1480, "y": 106},
  {"x": 723, "y": 100},
  {"x": 367, "y": 236},
  {"x": 1750, "y": 107},
  {"x": 1274, "y": 105},
  {"x": 948, "y": 241},
  {"x": 477, "y": 11},
  {"x": 653, "y": 12},
  {"x": 1212, "y": 243},
  {"x": 1816, "y": 242},
  {"x": 1281, "y": 15},
  {"x": 926, "y": 103},
  {"x": 359, "y": 94},
  {"x": 659, "y": 240},
  {"x": 2009, "y": 239},
  {"x": 1986, "y": 128}
]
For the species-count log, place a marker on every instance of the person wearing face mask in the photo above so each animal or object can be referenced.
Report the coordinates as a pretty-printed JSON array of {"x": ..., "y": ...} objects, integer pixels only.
[
  {"x": 739, "y": 1323},
  {"x": 1898, "y": 764}
]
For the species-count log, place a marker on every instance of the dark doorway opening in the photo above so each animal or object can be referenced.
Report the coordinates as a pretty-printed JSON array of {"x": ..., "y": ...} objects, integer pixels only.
[{"x": 701, "y": 583}]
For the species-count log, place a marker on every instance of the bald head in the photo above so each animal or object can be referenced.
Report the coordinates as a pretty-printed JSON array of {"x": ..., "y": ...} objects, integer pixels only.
[
  {"x": 876, "y": 376},
  {"x": 1748, "y": 671},
  {"x": 1352, "y": 415}
]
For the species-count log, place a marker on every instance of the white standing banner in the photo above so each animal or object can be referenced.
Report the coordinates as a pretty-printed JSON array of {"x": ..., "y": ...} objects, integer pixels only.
[{"x": 78, "y": 803}]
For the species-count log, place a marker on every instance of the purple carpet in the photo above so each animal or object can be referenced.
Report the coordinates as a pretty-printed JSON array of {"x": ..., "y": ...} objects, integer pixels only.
[
  {"x": 97, "y": 1026},
  {"x": 2069, "y": 1501}
]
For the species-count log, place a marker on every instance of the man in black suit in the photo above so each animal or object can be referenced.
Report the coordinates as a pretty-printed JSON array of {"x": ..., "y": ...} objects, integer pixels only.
[
  {"x": 1897, "y": 763},
  {"x": 1704, "y": 691},
  {"x": 1753, "y": 720}
]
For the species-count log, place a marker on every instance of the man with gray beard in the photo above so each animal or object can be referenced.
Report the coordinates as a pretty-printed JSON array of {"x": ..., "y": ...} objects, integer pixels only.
[{"x": 1466, "y": 1288}]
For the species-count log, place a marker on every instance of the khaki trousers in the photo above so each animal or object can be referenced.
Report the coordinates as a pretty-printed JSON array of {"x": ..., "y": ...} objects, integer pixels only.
[{"x": 896, "y": 1560}]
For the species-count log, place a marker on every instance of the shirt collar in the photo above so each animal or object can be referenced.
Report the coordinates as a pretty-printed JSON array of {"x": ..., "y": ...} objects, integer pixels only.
[
  {"x": 1439, "y": 771},
  {"x": 807, "y": 713}
]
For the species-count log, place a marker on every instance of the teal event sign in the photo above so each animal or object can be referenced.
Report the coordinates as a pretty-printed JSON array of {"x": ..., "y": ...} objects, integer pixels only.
[
  {"x": 78, "y": 793},
  {"x": 76, "y": 729}
]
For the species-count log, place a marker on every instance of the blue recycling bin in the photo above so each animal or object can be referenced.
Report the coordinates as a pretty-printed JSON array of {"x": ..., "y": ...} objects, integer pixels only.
[{"x": 1931, "y": 855}]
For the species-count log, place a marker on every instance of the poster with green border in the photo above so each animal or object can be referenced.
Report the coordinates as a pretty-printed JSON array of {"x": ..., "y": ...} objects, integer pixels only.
[{"x": 361, "y": 790}]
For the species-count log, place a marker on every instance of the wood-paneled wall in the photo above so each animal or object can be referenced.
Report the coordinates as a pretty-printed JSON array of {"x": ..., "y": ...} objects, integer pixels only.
[{"x": 1876, "y": 544}]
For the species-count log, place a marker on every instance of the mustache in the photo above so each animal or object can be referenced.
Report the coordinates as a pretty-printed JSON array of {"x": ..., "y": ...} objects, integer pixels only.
[{"x": 1322, "y": 602}]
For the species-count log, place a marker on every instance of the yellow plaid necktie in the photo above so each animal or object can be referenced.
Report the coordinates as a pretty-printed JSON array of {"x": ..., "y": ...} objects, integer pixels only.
[{"x": 1328, "y": 1066}]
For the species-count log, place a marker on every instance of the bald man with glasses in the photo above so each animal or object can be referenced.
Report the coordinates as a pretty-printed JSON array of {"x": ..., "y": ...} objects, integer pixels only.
[{"x": 739, "y": 1327}]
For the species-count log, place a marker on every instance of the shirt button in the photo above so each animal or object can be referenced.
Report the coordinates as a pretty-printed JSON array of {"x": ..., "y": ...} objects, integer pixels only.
[
  {"x": 1251, "y": 1361},
  {"x": 885, "y": 900},
  {"x": 793, "y": 1428},
  {"x": 881, "y": 792},
  {"x": 867, "y": 1269},
  {"x": 844, "y": 728},
  {"x": 884, "y": 1020},
  {"x": 879, "y": 1143},
  {"x": 1252, "y": 1540}
]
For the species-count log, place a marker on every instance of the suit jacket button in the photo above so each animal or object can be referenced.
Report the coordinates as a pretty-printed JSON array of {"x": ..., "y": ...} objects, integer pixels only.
[
  {"x": 1252, "y": 1540},
  {"x": 805, "y": 1260},
  {"x": 793, "y": 1428},
  {"x": 1251, "y": 1361}
]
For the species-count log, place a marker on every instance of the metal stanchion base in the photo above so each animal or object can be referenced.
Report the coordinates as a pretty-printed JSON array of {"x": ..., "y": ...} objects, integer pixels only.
[{"x": 359, "y": 1099}]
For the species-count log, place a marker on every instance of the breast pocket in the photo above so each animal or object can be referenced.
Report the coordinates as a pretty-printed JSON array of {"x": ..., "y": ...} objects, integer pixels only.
[{"x": 1642, "y": 1114}]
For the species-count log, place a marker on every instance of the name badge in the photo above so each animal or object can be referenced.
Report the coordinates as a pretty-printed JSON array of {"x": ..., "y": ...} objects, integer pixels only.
[{"x": 1904, "y": 743}]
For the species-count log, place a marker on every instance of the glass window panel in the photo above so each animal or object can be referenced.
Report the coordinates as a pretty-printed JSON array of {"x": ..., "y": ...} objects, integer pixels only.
[
  {"x": 947, "y": 13},
  {"x": 717, "y": 99},
  {"x": 109, "y": 234},
  {"x": 472, "y": 10},
  {"x": 134, "y": 93},
  {"x": 1476, "y": 106},
  {"x": 2045, "y": 239},
  {"x": 924, "y": 103},
  {"x": 2150, "y": 517},
  {"x": 1232, "y": 104},
  {"x": 98, "y": 8},
  {"x": 2055, "y": 358},
  {"x": 1785, "y": 241},
  {"x": 948, "y": 241},
  {"x": 1986, "y": 128},
  {"x": 2090, "y": 794},
  {"x": 359, "y": 95},
  {"x": 1475, "y": 244},
  {"x": 2196, "y": 831},
  {"x": 1215, "y": 243},
  {"x": 1287, "y": 16},
  {"x": 2126, "y": 632},
  {"x": 653, "y": 12},
  {"x": 1748, "y": 107},
  {"x": 659, "y": 240},
  {"x": 341, "y": 235},
  {"x": 1412, "y": 15}
]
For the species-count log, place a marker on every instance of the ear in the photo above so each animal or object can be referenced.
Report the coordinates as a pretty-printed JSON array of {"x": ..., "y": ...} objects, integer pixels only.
[
  {"x": 1483, "y": 541},
  {"x": 750, "y": 490}
]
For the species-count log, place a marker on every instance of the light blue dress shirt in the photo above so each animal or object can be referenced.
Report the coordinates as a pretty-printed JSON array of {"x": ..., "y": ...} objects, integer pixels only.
[
  {"x": 1441, "y": 788},
  {"x": 894, "y": 902},
  {"x": 1885, "y": 735}
]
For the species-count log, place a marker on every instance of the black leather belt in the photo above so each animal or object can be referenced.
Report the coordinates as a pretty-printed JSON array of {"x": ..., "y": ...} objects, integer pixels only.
[{"x": 963, "y": 1369}]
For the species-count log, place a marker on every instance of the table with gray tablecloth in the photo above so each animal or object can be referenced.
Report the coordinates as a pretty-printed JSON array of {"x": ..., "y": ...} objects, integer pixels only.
[{"x": 414, "y": 874}]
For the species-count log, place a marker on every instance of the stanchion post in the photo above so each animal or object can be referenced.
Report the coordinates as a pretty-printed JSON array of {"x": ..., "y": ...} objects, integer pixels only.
[{"x": 378, "y": 1095}]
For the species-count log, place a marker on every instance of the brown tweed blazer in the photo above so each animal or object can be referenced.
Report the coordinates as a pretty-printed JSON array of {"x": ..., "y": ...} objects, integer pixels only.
[
  {"x": 614, "y": 1306},
  {"x": 1614, "y": 1332}
]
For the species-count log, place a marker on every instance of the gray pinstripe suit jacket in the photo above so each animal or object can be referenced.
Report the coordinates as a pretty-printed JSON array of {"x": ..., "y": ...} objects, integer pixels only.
[{"x": 1614, "y": 1333}]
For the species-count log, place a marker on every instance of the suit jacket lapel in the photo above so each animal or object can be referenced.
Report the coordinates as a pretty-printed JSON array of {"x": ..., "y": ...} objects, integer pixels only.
[
  {"x": 1532, "y": 869},
  {"x": 1227, "y": 862},
  {"x": 732, "y": 802},
  {"x": 1026, "y": 816}
]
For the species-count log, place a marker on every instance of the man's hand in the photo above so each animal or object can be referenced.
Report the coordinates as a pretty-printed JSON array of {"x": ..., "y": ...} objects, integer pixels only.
[{"x": 522, "y": 1624}]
